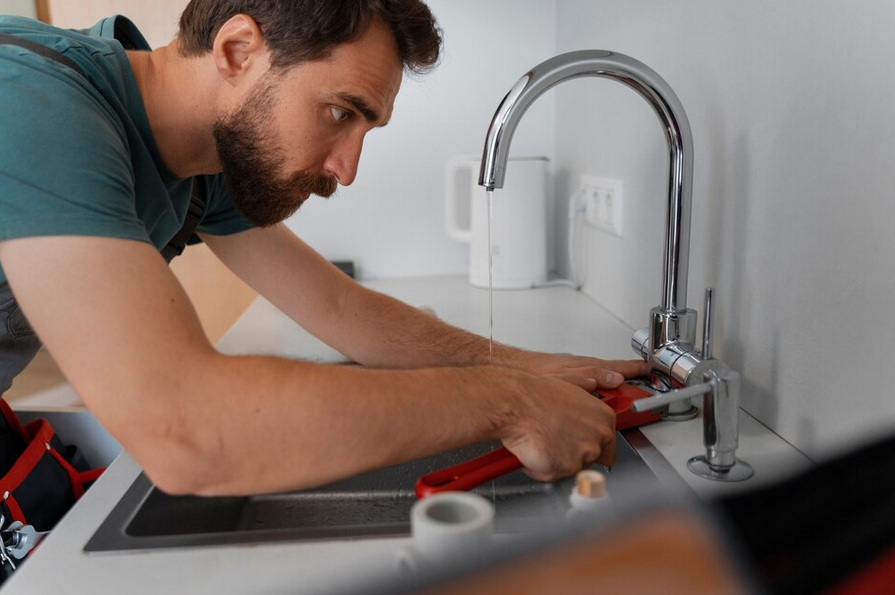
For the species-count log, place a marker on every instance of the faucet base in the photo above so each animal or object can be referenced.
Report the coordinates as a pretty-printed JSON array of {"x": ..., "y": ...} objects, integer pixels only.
[
  {"x": 740, "y": 471},
  {"x": 677, "y": 411},
  {"x": 683, "y": 414}
]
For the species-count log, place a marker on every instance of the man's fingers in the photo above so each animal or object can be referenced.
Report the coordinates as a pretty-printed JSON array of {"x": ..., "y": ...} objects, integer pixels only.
[
  {"x": 590, "y": 379},
  {"x": 609, "y": 379},
  {"x": 582, "y": 380},
  {"x": 569, "y": 430},
  {"x": 628, "y": 367},
  {"x": 607, "y": 452},
  {"x": 614, "y": 373}
]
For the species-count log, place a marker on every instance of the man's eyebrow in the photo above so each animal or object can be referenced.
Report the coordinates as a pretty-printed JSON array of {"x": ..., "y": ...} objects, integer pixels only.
[{"x": 358, "y": 103}]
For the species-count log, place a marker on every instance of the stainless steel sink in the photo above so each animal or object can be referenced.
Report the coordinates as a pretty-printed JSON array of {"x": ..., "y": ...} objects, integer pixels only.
[{"x": 373, "y": 504}]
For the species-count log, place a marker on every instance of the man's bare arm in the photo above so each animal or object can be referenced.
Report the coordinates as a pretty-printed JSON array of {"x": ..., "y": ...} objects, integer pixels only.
[
  {"x": 375, "y": 329},
  {"x": 127, "y": 338}
]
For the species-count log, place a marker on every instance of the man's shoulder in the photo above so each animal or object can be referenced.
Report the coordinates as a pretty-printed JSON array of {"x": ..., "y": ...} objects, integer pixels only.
[
  {"x": 98, "y": 52},
  {"x": 65, "y": 161},
  {"x": 114, "y": 28},
  {"x": 121, "y": 29},
  {"x": 63, "y": 41},
  {"x": 85, "y": 72}
]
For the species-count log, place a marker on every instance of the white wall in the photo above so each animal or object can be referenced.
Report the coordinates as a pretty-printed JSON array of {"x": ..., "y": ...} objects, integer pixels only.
[
  {"x": 794, "y": 191},
  {"x": 391, "y": 220},
  {"x": 25, "y": 8}
]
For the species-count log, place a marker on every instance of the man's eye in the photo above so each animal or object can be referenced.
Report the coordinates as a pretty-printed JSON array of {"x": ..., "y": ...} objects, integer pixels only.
[{"x": 339, "y": 115}]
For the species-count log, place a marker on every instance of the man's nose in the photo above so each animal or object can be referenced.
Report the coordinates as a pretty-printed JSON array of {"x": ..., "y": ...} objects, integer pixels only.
[{"x": 342, "y": 162}]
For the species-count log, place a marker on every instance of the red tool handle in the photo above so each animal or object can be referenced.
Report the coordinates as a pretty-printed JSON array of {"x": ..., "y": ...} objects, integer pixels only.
[
  {"x": 621, "y": 399},
  {"x": 468, "y": 475}
]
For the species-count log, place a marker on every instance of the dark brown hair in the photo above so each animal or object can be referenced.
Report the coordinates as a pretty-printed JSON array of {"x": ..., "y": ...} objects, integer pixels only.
[{"x": 306, "y": 30}]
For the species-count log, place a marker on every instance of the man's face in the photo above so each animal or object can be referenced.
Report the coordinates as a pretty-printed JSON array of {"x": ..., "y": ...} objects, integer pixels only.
[{"x": 300, "y": 132}]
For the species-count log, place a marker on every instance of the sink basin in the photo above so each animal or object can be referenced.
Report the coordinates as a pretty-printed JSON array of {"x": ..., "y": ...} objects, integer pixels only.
[{"x": 373, "y": 504}]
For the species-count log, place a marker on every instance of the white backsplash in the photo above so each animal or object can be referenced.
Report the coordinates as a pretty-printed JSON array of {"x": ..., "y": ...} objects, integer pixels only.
[{"x": 793, "y": 202}]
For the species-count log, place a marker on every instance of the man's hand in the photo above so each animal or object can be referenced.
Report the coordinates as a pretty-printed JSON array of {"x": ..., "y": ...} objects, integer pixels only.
[
  {"x": 556, "y": 429},
  {"x": 588, "y": 373},
  {"x": 560, "y": 428}
]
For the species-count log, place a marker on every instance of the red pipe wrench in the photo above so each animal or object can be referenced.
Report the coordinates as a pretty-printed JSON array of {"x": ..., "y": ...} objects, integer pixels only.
[{"x": 496, "y": 463}]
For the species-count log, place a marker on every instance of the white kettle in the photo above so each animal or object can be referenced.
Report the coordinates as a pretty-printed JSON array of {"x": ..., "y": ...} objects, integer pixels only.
[{"x": 518, "y": 224}]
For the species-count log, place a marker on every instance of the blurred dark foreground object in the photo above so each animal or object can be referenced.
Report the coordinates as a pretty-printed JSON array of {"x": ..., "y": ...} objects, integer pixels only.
[{"x": 827, "y": 531}]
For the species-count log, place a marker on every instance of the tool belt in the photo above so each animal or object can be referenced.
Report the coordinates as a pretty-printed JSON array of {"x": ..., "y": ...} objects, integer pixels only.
[{"x": 41, "y": 479}]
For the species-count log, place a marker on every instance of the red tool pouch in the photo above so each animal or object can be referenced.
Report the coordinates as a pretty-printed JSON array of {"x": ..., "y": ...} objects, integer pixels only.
[{"x": 42, "y": 478}]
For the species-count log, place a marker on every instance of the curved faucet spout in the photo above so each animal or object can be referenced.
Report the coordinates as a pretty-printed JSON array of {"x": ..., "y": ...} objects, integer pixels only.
[{"x": 659, "y": 95}]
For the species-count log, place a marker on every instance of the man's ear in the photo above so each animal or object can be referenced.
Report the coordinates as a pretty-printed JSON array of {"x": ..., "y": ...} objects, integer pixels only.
[{"x": 239, "y": 50}]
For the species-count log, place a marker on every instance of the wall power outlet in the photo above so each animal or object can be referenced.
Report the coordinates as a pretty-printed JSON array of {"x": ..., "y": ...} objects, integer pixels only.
[{"x": 604, "y": 203}]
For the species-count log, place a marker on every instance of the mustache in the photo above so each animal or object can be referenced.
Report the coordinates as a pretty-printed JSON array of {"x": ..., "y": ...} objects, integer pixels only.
[{"x": 305, "y": 182}]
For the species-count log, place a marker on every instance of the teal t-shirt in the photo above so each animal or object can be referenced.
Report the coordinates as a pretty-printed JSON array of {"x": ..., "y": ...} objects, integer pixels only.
[{"x": 77, "y": 156}]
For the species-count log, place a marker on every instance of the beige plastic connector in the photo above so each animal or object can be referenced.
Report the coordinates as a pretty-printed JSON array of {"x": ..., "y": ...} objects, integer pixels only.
[{"x": 590, "y": 484}]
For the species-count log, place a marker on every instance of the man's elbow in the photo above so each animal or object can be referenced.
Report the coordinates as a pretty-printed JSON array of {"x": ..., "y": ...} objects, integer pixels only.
[
  {"x": 180, "y": 460},
  {"x": 186, "y": 477}
]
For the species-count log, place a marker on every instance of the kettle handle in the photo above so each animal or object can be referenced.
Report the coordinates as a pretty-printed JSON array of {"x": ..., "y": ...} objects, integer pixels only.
[{"x": 452, "y": 196}]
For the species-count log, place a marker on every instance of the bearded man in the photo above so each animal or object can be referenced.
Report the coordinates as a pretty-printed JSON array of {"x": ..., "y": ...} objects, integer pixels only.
[{"x": 113, "y": 156}]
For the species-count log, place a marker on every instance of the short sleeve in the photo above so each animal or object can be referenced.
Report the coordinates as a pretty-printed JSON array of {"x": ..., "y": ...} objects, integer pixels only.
[{"x": 64, "y": 165}]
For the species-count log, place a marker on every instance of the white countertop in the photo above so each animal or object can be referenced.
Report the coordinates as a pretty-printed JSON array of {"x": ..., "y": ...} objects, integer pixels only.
[{"x": 551, "y": 319}]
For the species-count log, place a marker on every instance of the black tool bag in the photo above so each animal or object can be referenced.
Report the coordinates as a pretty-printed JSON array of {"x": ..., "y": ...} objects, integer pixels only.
[{"x": 41, "y": 477}]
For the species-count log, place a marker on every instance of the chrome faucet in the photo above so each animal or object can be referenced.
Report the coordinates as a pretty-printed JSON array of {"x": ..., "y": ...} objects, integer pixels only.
[{"x": 679, "y": 370}]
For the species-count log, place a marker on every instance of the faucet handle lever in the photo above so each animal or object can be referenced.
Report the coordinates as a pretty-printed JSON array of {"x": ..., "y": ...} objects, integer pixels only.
[
  {"x": 672, "y": 396},
  {"x": 707, "y": 325}
]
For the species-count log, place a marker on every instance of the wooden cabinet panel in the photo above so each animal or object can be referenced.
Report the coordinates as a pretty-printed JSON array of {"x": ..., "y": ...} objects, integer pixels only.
[{"x": 218, "y": 295}]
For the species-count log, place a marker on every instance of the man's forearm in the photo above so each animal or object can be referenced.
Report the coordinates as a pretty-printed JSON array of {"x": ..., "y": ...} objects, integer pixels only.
[
  {"x": 280, "y": 424},
  {"x": 389, "y": 333},
  {"x": 365, "y": 325}
]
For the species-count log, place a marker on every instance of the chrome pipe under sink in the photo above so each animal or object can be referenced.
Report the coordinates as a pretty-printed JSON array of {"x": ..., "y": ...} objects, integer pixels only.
[{"x": 370, "y": 505}]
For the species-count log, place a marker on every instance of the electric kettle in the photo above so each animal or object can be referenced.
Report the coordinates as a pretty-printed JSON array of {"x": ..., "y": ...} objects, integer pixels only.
[{"x": 518, "y": 224}]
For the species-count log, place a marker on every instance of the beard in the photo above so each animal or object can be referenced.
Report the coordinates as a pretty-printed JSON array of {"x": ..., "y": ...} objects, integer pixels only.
[{"x": 252, "y": 162}]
